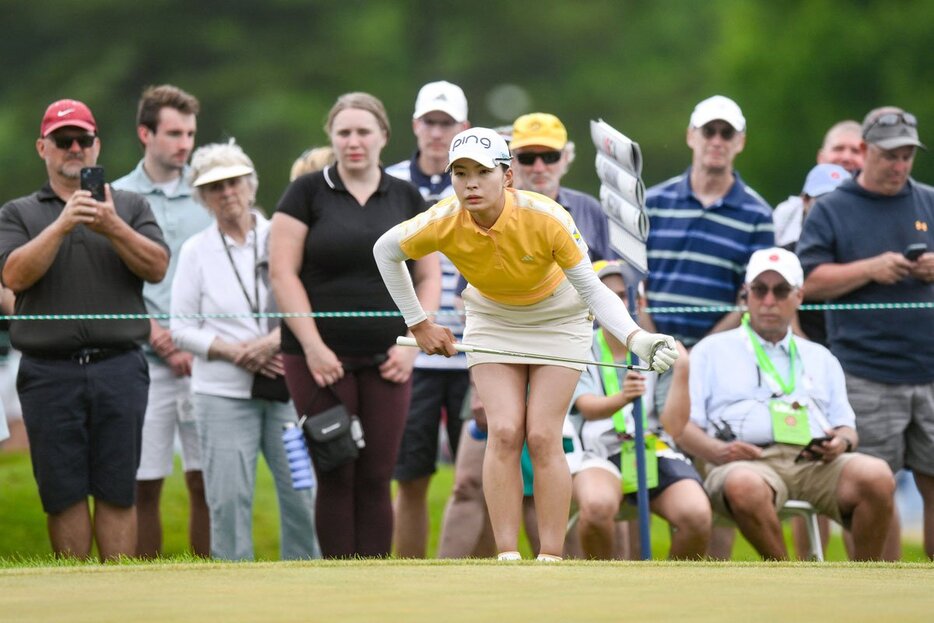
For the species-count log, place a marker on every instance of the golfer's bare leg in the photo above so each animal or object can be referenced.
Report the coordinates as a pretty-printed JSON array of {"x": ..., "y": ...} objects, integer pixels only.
[
  {"x": 926, "y": 488},
  {"x": 502, "y": 389},
  {"x": 114, "y": 530},
  {"x": 685, "y": 507},
  {"x": 866, "y": 492},
  {"x": 199, "y": 516},
  {"x": 70, "y": 531},
  {"x": 465, "y": 517},
  {"x": 410, "y": 524},
  {"x": 751, "y": 501},
  {"x": 598, "y": 494},
  {"x": 721, "y": 542},
  {"x": 550, "y": 391},
  {"x": 149, "y": 521}
]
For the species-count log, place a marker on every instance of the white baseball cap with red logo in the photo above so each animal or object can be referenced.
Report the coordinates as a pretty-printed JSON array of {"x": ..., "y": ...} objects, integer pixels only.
[{"x": 785, "y": 263}]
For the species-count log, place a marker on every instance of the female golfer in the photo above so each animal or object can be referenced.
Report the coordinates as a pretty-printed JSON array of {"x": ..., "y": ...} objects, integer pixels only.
[{"x": 531, "y": 289}]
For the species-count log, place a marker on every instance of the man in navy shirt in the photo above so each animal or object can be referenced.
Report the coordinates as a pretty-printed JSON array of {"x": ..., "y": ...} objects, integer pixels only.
[{"x": 854, "y": 249}]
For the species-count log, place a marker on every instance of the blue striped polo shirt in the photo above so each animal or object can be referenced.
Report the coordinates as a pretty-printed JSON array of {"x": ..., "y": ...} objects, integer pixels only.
[{"x": 697, "y": 256}]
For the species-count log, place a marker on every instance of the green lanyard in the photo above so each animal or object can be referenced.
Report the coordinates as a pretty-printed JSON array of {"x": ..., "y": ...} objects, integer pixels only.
[
  {"x": 611, "y": 381},
  {"x": 765, "y": 364}
]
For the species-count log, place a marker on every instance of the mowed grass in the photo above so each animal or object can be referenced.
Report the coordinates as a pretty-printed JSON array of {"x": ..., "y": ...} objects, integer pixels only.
[
  {"x": 23, "y": 525},
  {"x": 454, "y": 591}
]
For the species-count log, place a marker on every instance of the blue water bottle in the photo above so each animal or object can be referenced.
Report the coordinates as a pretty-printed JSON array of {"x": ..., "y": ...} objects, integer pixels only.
[
  {"x": 296, "y": 451},
  {"x": 475, "y": 431}
]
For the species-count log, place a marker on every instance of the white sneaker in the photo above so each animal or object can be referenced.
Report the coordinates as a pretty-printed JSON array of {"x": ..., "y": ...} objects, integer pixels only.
[
  {"x": 509, "y": 556},
  {"x": 548, "y": 558}
]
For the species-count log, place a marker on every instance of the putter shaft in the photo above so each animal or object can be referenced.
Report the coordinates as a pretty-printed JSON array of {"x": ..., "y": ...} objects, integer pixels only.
[{"x": 467, "y": 348}]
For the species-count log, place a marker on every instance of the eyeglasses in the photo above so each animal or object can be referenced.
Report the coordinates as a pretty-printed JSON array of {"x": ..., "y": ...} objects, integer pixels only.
[
  {"x": 726, "y": 131},
  {"x": 220, "y": 185},
  {"x": 780, "y": 292},
  {"x": 548, "y": 157},
  {"x": 892, "y": 118},
  {"x": 65, "y": 142}
]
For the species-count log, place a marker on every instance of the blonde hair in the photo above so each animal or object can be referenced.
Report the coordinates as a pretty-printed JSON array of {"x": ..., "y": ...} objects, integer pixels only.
[
  {"x": 215, "y": 155},
  {"x": 311, "y": 160},
  {"x": 360, "y": 101}
]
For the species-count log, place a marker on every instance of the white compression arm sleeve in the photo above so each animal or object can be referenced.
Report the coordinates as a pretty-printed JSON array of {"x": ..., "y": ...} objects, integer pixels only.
[
  {"x": 389, "y": 260},
  {"x": 610, "y": 311}
]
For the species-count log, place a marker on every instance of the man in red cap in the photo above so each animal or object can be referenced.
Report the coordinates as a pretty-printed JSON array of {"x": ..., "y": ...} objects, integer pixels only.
[{"x": 82, "y": 383}]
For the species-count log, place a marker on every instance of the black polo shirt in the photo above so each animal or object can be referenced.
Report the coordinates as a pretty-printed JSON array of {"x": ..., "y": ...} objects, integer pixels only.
[
  {"x": 86, "y": 277},
  {"x": 338, "y": 269}
]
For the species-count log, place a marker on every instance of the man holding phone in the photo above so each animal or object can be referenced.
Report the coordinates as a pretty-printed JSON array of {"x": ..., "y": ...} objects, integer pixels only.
[
  {"x": 865, "y": 243},
  {"x": 791, "y": 436},
  {"x": 82, "y": 383}
]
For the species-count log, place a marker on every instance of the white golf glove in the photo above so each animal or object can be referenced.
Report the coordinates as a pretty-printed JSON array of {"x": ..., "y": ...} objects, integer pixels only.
[{"x": 657, "y": 350}]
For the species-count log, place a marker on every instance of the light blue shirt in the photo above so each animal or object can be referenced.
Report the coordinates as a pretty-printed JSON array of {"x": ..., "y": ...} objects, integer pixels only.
[
  {"x": 727, "y": 386},
  {"x": 179, "y": 216}
]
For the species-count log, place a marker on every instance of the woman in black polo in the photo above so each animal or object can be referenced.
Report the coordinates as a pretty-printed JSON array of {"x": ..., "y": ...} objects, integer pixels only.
[{"x": 321, "y": 260}]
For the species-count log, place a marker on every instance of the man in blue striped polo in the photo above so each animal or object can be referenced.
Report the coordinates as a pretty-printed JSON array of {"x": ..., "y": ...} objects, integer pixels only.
[{"x": 705, "y": 223}]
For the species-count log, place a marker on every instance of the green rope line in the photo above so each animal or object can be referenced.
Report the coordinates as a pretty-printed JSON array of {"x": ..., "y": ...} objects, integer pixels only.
[{"x": 396, "y": 314}]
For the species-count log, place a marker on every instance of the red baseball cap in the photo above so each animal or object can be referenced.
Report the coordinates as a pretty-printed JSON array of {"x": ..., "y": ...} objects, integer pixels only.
[{"x": 67, "y": 113}]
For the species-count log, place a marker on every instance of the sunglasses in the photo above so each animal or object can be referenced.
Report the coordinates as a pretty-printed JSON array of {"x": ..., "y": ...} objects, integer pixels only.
[
  {"x": 893, "y": 118},
  {"x": 65, "y": 142},
  {"x": 727, "y": 132},
  {"x": 780, "y": 292},
  {"x": 529, "y": 158}
]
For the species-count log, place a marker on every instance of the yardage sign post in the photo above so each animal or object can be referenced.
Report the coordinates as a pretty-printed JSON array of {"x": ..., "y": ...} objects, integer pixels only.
[{"x": 622, "y": 196}]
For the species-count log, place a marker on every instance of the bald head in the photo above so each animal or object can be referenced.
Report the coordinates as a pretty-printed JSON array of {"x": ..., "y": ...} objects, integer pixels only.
[{"x": 842, "y": 146}]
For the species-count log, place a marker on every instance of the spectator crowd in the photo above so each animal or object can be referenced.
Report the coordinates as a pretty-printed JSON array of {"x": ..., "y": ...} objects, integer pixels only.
[{"x": 764, "y": 404}]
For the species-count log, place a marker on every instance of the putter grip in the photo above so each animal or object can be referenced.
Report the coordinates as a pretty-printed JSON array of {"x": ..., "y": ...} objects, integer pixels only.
[{"x": 410, "y": 341}]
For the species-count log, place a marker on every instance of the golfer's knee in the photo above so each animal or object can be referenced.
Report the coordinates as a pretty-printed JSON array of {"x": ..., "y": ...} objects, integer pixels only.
[
  {"x": 542, "y": 442},
  {"x": 506, "y": 437},
  {"x": 874, "y": 481}
]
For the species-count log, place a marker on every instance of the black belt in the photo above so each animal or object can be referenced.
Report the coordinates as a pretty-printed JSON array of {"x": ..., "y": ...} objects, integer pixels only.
[{"x": 82, "y": 357}]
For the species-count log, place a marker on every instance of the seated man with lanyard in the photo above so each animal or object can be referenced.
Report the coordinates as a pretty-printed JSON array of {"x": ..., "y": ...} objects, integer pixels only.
[
  {"x": 771, "y": 422},
  {"x": 605, "y": 472}
]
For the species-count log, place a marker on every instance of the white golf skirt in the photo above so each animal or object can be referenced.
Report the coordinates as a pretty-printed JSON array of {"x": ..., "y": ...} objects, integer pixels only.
[{"x": 558, "y": 326}]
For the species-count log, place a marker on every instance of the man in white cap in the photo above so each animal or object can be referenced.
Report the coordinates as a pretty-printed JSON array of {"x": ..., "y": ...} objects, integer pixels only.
[
  {"x": 82, "y": 383},
  {"x": 439, "y": 384},
  {"x": 705, "y": 223},
  {"x": 872, "y": 241},
  {"x": 770, "y": 422}
]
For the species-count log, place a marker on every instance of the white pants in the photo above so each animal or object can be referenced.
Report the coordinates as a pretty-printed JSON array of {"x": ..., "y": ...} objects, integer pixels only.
[{"x": 169, "y": 410}]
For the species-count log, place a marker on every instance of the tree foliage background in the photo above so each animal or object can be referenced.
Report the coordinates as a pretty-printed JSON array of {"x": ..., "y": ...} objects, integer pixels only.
[{"x": 267, "y": 72}]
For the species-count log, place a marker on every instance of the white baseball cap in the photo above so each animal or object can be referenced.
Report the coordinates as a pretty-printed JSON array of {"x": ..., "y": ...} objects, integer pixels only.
[
  {"x": 718, "y": 107},
  {"x": 785, "y": 263},
  {"x": 481, "y": 145},
  {"x": 444, "y": 97}
]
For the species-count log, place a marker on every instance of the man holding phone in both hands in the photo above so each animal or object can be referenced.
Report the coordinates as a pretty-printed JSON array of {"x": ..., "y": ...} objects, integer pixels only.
[
  {"x": 82, "y": 383},
  {"x": 872, "y": 241},
  {"x": 770, "y": 422}
]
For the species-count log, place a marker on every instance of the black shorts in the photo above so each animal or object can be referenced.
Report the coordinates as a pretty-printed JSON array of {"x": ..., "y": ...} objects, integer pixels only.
[
  {"x": 84, "y": 424},
  {"x": 670, "y": 471},
  {"x": 432, "y": 390}
]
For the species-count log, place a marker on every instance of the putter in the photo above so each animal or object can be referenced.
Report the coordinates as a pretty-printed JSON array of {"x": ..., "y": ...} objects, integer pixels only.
[{"x": 467, "y": 348}]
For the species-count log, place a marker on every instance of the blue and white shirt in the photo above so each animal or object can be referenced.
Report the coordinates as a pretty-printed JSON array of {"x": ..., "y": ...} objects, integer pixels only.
[{"x": 697, "y": 256}]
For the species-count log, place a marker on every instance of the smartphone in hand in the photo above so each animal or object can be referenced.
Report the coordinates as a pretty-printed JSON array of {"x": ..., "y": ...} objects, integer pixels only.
[
  {"x": 92, "y": 179},
  {"x": 914, "y": 251},
  {"x": 807, "y": 453}
]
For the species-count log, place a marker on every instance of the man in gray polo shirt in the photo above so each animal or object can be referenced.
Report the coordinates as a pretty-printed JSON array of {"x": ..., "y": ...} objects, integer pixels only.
[
  {"x": 82, "y": 383},
  {"x": 165, "y": 125}
]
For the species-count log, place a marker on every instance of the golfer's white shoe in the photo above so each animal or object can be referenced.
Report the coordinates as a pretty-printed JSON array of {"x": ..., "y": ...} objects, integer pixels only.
[
  {"x": 548, "y": 558},
  {"x": 509, "y": 556}
]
